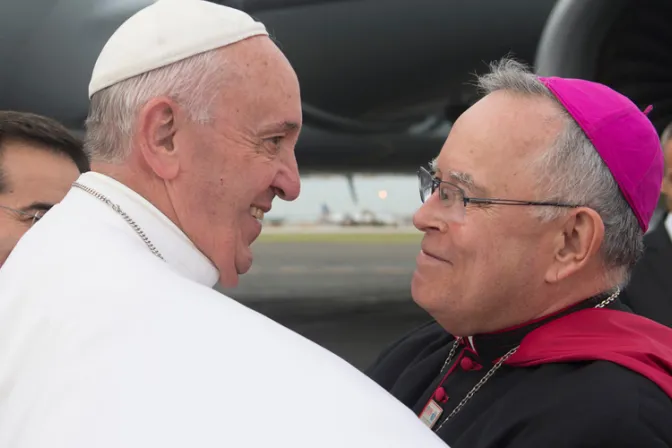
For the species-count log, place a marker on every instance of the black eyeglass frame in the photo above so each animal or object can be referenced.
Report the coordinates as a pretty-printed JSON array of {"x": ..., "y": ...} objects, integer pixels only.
[{"x": 435, "y": 183}]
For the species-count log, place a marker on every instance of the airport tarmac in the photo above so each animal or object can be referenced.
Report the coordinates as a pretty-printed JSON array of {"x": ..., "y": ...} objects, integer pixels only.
[
  {"x": 351, "y": 297},
  {"x": 361, "y": 272}
]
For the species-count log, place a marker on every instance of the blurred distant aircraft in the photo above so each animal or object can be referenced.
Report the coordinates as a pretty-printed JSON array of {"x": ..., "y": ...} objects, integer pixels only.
[{"x": 381, "y": 80}]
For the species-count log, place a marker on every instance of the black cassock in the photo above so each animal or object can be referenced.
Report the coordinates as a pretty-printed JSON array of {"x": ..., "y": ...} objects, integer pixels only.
[
  {"x": 649, "y": 292},
  {"x": 583, "y": 377}
]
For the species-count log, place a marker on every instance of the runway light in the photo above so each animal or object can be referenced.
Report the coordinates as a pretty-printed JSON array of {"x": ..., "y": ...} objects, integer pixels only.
[{"x": 382, "y": 194}]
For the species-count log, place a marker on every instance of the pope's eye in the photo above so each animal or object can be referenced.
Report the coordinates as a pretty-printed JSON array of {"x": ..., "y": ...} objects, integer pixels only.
[{"x": 275, "y": 140}]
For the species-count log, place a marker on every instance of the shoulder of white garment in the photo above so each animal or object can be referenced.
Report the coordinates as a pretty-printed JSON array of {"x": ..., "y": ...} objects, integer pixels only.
[{"x": 103, "y": 345}]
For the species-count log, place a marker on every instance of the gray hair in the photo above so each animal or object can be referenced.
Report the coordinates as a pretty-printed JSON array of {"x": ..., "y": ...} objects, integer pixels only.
[
  {"x": 572, "y": 171},
  {"x": 110, "y": 123}
]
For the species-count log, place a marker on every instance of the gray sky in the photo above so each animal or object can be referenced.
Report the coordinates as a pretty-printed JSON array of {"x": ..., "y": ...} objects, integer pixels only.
[{"x": 402, "y": 197}]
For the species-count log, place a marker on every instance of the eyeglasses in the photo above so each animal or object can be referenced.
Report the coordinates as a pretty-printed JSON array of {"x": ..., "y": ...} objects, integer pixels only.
[
  {"x": 32, "y": 217},
  {"x": 455, "y": 200}
]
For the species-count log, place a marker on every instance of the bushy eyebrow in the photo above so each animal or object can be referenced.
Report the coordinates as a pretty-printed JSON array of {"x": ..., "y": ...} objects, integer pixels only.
[
  {"x": 283, "y": 126},
  {"x": 41, "y": 206},
  {"x": 464, "y": 179}
]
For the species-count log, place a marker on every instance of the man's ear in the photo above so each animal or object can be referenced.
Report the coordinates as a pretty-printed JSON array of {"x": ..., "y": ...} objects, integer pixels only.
[
  {"x": 578, "y": 241},
  {"x": 158, "y": 121}
]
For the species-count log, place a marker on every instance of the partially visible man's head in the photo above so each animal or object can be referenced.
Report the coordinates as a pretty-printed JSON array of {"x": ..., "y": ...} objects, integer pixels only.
[
  {"x": 666, "y": 143},
  {"x": 491, "y": 265},
  {"x": 208, "y": 139},
  {"x": 39, "y": 160}
]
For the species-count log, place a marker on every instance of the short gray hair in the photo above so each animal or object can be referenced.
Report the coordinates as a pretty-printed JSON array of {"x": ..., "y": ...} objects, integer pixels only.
[
  {"x": 112, "y": 113},
  {"x": 572, "y": 171}
]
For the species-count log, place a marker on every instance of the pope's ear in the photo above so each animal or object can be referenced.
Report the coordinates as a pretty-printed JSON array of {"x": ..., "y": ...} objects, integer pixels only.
[{"x": 157, "y": 124}]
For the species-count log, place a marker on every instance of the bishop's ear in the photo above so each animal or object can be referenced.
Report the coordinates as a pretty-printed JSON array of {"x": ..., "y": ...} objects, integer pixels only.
[
  {"x": 157, "y": 125},
  {"x": 577, "y": 243}
]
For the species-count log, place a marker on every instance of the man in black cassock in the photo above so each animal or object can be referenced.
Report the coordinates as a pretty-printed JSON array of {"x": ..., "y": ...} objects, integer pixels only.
[
  {"x": 533, "y": 218},
  {"x": 649, "y": 292}
]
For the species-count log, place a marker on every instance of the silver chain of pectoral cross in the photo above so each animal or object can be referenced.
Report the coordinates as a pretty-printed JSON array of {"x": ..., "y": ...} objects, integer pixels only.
[
  {"x": 499, "y": 363},
  {"x": 123, "y": 214}
]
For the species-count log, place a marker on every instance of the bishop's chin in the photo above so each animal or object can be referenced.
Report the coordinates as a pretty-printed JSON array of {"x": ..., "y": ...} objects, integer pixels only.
[
  {"x": 419, "y": 289},
  {"x": 425, "y": 292}
]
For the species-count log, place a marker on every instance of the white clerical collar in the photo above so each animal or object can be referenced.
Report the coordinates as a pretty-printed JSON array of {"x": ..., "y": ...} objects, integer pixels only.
[
  {"x": 668, "y": 225},
  {"x": 175, "y": 247}
]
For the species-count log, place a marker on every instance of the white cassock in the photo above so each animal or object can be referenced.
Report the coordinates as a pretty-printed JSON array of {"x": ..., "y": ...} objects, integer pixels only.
[{"x": 103, "y": 344}]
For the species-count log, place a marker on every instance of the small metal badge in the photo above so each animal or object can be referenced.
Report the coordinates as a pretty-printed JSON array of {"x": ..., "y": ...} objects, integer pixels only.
[{"x": 430, "y": 415}]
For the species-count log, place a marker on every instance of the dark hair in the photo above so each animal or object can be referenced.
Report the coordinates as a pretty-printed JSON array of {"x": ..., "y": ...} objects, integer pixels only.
[{"x": 43, "y": 132}]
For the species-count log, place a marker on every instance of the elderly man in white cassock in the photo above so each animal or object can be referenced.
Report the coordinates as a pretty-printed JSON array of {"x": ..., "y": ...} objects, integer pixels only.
[{"x": 110, "y": 332}]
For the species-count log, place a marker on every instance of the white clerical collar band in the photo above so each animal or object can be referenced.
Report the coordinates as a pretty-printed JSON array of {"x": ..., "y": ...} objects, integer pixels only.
[{"x": 161, "y": 236}]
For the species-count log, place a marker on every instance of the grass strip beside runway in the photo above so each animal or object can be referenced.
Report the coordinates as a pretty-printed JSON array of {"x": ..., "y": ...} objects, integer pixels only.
[{"x": 363, "y": 238}]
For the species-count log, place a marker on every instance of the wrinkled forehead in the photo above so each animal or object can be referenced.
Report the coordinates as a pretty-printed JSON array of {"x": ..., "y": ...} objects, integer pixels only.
[
  {"x": 260, "y": 80},
  {"x": 257, "y": 63},
  {"x": 496, "y": 142}
]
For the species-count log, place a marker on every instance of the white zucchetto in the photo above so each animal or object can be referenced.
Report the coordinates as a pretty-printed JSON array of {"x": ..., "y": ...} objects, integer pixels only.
[{"x": 166, "y": 32}]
